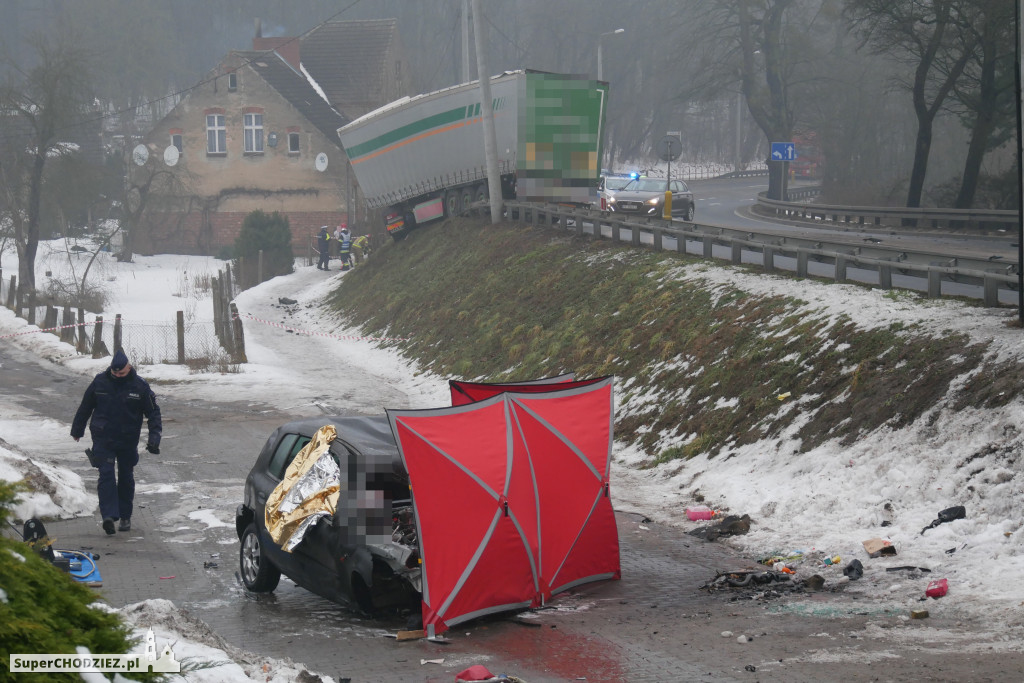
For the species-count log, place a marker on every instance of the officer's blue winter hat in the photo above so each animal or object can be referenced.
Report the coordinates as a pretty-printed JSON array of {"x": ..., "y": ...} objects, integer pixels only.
[{"x": 120, "y": 360}]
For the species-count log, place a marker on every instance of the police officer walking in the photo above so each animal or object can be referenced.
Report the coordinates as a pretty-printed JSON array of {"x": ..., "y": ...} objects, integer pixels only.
[{"x": 116, "y": 400}]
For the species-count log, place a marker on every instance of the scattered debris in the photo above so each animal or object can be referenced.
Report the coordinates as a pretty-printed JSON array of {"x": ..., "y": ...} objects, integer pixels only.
[
  {"x": 411, "y": 635},
  {"x": 285, "y": 301},
  {"x": 947, "y": 515},
  {"x": 431, "y": 661},
  {"x": 744, "y": 639},
  {"x": 730, "y": 526},
  {"x": 697, "y": 513},
  {"x": 918, "y": 614},
  {"x": 745, "y": 579},
  {"x": 750, "y": 667},
  {"x": 854, "y": 570},
  {"x": 815, "y": 582},
  {"x": 209, "y": 565},
  {"x": 727, "y": 634},
  {"x": 907, "y": 567},
  {"x": 168, "y": 577},
  {"x": 783, "y": 397},
  {"x": 937, "y": 588},
  {"x": 878, "y": 547}
]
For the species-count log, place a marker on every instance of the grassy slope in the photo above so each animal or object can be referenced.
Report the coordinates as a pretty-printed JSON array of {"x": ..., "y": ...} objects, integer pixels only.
[{"x": 697, "y": 367}]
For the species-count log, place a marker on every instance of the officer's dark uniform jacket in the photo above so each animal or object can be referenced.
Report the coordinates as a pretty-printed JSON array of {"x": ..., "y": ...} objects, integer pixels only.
[{"x": 117, "y": 406}]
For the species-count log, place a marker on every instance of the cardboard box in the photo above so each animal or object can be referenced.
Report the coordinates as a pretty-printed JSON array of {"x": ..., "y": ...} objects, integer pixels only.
[{"x": 877, "y": 547}]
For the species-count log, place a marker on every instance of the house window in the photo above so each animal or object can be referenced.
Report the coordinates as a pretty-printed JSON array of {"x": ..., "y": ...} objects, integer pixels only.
[
  {"x": 253, "y": 125},
  {"x": 293, "y": 143},
  {"x": 232, "y": 81},
  {"x": 216, "y": 134},
  {"x": 176, "y": 142}
]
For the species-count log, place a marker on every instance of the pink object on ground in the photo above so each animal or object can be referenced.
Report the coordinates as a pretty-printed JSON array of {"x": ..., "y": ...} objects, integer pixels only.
[
  {"x": 477, "y": 672},
  {"x": 699, "y": 512},
  {"x": 936, "y": 589}
]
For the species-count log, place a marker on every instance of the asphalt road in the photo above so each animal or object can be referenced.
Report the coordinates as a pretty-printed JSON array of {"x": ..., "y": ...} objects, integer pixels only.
[{"x": 655, "y": 624}]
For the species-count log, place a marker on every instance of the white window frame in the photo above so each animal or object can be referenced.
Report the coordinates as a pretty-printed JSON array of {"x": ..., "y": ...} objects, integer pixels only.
[
  {"x": 216, "y": 134},
  {"x": 252, "y": 125}
]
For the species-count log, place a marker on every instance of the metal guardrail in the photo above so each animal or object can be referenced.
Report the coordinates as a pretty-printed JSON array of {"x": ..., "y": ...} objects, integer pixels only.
[
  {"x": 841, "y": 254},
  {"x": 951, "y": 219}
]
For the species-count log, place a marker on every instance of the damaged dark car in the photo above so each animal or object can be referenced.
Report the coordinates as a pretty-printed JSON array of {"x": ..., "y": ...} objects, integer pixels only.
[{"x": 328, "y": 505}]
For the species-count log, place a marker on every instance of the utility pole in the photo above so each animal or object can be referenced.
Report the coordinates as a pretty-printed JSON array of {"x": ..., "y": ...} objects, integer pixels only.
[
  {"x": 487, "y": 108},
  {"x": 467, "y": 71}
]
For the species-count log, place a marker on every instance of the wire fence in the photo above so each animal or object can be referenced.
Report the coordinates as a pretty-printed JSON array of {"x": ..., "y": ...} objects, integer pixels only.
[{"x": 196, "y": 344}]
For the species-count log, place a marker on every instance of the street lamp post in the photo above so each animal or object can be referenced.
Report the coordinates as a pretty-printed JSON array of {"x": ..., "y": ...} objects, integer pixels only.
[{"x": 600, "y": 72}]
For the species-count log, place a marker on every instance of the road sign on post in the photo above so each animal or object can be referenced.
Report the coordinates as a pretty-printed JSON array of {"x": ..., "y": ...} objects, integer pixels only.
[{"x": 783, "y": 151}]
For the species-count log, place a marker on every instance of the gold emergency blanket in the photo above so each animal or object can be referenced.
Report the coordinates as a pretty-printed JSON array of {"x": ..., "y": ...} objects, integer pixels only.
[{"x": 308, "y": 491}]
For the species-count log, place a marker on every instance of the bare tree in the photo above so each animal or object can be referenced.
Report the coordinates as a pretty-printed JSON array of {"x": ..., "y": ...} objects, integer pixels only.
[
  {"x": 41, "y": 107},
  {"x": 936, "y": 39},
  {"x": 987, "y": 89}
]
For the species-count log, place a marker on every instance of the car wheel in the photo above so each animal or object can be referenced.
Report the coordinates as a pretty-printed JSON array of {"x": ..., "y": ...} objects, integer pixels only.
[
  {"x": 258, "y": 575},
  {"x": 689, "y": 213}
]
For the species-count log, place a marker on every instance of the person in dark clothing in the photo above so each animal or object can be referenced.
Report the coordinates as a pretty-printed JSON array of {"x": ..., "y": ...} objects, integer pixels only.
[
  {"x": 116, "y": 400},
  {"x": 323, "y": 243}
]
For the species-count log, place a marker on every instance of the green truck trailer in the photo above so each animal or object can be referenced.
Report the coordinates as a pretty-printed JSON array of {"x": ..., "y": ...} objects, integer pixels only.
[{"x": 422, "y": 158}]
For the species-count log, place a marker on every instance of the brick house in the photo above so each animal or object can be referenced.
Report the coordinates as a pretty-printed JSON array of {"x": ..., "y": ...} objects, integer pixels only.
[{"x": 260, "y": 132}]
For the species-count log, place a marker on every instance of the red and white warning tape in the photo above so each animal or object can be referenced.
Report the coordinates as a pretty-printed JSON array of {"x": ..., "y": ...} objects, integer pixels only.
[
  {"x": 313, "y": 333},
  {"x": 48, "y": 329}
]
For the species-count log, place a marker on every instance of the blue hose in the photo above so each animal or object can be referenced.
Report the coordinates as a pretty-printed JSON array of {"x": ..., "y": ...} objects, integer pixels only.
[{"x": 80, "y": 573}]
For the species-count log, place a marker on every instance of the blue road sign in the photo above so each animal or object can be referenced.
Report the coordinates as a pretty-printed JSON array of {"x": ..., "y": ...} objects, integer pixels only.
[{"x": 783, "y": 151}]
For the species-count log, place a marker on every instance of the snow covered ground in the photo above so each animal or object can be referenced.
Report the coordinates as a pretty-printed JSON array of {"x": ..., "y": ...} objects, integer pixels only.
[{"x": 825, "y": 502}]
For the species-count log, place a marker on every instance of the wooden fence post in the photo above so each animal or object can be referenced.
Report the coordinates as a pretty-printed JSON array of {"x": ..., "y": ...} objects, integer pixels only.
[
  {"x": 259, "y": 268},
  {"x": 181, "y": 337},
  {"x": 67, "y": 330},
  {"x": 11, "y": 292},
  {"x": 238, "y": 355},
  {"x": 117, "y": 333},
  {"x": 50, "y": 320},
  {"x": 83, "y": 337},
  {"x": 215, "y": 285},
  {"x": 99, "y": 349}
]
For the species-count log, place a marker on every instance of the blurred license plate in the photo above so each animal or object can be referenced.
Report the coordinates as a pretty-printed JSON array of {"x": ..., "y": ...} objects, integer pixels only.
[{"x": 629, "y": 206}]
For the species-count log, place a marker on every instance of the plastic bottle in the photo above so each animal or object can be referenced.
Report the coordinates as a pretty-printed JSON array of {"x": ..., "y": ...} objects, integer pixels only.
[{"x": 937, "y": 588}]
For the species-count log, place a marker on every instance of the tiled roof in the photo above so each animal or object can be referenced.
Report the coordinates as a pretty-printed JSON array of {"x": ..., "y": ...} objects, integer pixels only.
[
  {"x": 294, "y": 87},
  {"x": 348, "y": 58}
]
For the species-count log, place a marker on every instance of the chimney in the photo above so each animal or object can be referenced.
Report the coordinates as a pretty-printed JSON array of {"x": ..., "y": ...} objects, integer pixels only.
[{"x": 259, "y": 28}]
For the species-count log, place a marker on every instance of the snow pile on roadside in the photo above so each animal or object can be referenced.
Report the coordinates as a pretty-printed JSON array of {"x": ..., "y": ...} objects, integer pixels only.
[{"x": 204, "y": 656}]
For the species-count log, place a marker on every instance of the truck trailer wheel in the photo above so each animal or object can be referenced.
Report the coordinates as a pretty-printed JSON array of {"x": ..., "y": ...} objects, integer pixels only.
[
  {"x": 452, "y": 203},
  {"x": 466, "y": 197},
  {"x": 480, "y": 195}
]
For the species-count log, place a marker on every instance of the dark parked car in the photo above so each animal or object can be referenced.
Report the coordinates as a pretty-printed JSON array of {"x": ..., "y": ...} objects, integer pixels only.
[
  {"x": 367, "y": 552},
  {"x": 646, "y": 197}
]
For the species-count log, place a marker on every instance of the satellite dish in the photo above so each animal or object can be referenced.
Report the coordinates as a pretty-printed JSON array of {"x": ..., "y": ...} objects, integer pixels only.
[
  {"x": 321, "y": 162},
  {"x": 140, "y": 155},
  {"x": 171, "y": 155}
]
